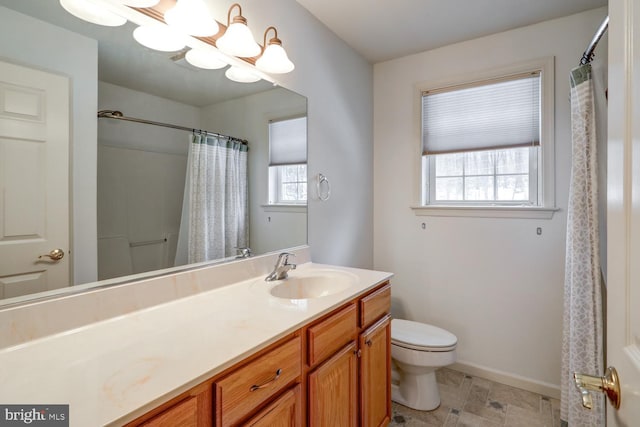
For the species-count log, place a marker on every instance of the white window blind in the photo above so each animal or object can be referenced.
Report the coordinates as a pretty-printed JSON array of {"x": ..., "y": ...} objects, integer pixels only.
[
  {"x": 503, "y": 113},
  {"x": 288, "y": 142}
]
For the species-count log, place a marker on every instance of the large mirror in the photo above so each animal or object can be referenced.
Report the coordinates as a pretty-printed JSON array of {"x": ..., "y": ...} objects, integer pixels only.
[{"x": 126, "y": 179}]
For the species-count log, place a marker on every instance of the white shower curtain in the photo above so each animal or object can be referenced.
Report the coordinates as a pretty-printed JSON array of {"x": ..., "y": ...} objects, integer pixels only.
[
  {"x": 215, "y": 207},
  {"x": 582, "y": 343}
]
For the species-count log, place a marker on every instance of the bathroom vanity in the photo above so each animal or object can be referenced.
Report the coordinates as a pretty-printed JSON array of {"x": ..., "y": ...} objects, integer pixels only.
[
  {"x": 334, "y": 371},
  {"x": 214, "y": 347}
]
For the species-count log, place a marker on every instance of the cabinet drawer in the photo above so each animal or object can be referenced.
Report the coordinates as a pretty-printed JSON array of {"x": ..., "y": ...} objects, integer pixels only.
[
  {"x": 331, "y": 334},
  {"x": 246, "y": 388},
  {"x": 375, "y": 305}
]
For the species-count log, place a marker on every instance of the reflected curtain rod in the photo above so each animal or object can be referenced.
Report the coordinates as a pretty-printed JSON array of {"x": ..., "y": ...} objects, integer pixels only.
[
  {"x": 114, "y": 114},
  {"x": 587, "y": 56}
]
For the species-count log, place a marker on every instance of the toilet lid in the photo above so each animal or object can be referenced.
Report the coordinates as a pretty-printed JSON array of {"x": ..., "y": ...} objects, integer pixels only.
[{"x": 415, "y": 334}]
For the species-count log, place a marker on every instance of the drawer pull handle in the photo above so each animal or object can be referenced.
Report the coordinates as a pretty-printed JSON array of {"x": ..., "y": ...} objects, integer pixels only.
[
  {"x": 368, "y": 342},
  {"x": 266, "y": 384}
]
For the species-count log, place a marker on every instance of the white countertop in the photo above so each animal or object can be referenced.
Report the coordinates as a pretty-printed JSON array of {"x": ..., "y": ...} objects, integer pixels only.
[{"x": 114, "y": 370}]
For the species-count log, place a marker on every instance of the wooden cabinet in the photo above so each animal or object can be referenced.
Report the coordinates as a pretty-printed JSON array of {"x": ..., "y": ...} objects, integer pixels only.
[
  {"x": 286, "y": 411},
  {"x": 248, "y": 387},
  {"x": 351, "y": 385},
  {"x": 190, "y": 409},
  {"x": 183, "y": 414},
  {"x": 375, "y": 305},
  {"x": 335, "y": 371},
  {"x": 333, "y": 390},
  {"x": 331, "y": 334},
  {"x": 375, "y": 374}
]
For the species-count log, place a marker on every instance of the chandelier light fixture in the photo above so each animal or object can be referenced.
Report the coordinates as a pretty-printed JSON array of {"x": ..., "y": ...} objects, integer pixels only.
[
  {"x": 274, "y": 58},
  {"x": 237, "y": 40},
  {"x": 213, "y": 49}
]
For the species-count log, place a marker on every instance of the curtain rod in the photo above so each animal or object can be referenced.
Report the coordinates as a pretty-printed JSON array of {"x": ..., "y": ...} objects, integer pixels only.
[
  {"x": 587, "y": 56},
  {"x": 114, "y": 114}
]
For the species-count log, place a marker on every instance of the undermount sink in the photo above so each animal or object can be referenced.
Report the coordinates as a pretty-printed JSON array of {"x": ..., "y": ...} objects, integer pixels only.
[{"x": 315, "y": 284}]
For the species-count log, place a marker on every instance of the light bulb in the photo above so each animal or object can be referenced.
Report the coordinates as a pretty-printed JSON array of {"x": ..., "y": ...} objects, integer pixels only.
[
  {"x": 241, "y": 75},
  {"x": 159, "y": 37},
  {"x": 237, "y": 40},
  {"x": 274, "y": 59},
  {"x": 208, "y": 59},
  {"x": 92, "y": 12},
  {"x": 191, "y": 17},
  {"x": 140, "y": 3}
]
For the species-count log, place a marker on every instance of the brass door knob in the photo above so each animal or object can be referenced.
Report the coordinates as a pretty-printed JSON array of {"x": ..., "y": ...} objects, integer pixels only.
[
  {"x": 54, "y": 255},
  {"x": 609, "y": 385}
]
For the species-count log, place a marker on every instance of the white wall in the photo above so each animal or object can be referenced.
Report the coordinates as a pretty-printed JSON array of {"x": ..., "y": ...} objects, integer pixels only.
[
  {"x": 34, "y": 43},
  {"x": 493, "y": 282},
  {"x": 248, "y": 118},
  {"x": 338, "y": 85}
]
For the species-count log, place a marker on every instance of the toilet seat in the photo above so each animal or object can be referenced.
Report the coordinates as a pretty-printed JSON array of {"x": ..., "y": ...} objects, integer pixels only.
[{"x": 421, "y": 337}]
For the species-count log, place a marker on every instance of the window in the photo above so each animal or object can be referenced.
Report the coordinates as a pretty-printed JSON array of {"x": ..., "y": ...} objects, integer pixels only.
[
  {"x": 288, "y": 161},
  {"x": 481, "y": 143},
  {"x": 507, "y": 176}
]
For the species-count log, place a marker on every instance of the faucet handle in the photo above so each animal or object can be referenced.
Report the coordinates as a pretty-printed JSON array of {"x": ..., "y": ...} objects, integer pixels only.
[{"x": 284, "y": 257}]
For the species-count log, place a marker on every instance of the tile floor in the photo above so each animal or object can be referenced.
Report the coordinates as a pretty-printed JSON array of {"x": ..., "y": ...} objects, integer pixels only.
[{"x": 475, "y": 402}]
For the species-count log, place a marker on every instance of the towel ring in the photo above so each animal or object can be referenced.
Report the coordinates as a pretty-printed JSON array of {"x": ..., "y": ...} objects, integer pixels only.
[{"x": 323, "y": 196}]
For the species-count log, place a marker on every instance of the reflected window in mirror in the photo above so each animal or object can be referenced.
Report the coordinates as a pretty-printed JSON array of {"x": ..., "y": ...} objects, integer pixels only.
[
  {"x": 288, "y": 161},
  {"x": 289, "y": 184}
]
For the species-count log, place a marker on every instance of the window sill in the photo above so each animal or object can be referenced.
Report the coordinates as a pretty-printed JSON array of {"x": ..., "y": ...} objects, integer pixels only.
[
  {"x": 285, "y": 208},
  {"x": 525, "y": 212}
]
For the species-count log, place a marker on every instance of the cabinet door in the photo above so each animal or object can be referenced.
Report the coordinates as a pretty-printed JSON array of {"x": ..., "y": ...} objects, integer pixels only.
[
  {"x": 333, "y": 390},
  {"x": 283, "y": 412},
  {"x": 183, "y": 414},
  {"x": 375, "y": 374}
]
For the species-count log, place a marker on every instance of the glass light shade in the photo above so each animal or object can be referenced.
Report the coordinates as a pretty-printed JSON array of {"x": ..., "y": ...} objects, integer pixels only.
[
  {"x": 238, "y": 41},
  {"x": 140, "y": 3},
  {"x": 92, "y": 12},
  {"x": 241, "y": 75},
  {"x": 208, "y": 59},
  {"x": 159, "y": 37},
  {"x": 191, "y": 17},
  {"x": 275, "y": 60}
]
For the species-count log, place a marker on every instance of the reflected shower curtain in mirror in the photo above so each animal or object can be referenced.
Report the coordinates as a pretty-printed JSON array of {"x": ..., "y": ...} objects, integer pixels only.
[
  {"x": 215, "y": 214},
  {"x": 582, "y": 340}
]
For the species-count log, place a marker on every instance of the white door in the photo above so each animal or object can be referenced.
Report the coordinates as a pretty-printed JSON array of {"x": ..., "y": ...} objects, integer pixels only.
[
  {"x": 34, "y": 180},
  {"x": 623, "y": 243}
]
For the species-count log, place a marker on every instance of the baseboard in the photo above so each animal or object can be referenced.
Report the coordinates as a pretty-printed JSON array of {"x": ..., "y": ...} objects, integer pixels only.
[{"x": 501, "y": 377}]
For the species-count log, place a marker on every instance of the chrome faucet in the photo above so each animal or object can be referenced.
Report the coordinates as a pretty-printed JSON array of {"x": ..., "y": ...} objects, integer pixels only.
[
  {"x": 243, "y": 253},
  {"x": 281, "y": 268}
]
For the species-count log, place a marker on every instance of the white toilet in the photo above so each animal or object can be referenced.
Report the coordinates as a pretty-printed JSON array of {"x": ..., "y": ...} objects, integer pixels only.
[{"x": 417, "y": 350}]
